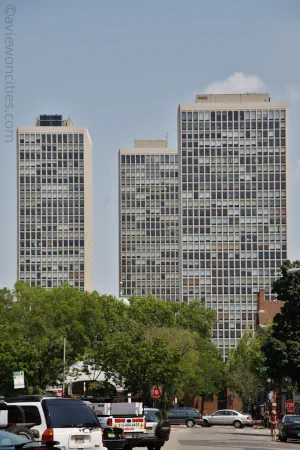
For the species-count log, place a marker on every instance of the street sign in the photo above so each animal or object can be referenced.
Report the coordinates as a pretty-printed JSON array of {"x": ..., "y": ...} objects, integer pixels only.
[
  {"x": 290, "y": 406},
  {"x": 19, "y": 380},
  {"x": 155, "y": 392}
]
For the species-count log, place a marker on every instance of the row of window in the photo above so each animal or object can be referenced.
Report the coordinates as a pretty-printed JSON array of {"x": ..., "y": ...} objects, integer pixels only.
[
  {"x": 52, "y": 156},
  {"x": 208, "y": 134},
  {"x": 223, "y": 115},
  {"x": 241, "y": 186},
  {"x": 52, "y": 219},
  {"x": 54, "y": 252},
  {"x": 51, "y": 164},
  {"x": 66, "y": 138},
  {"x": 50, "y": 228},
  {"x": 230, "y": 144},
  {"x": 51, "y": 211},
  {"x": 230, "y": 194},
  {"x": 49, "y": 268},
  {"x": 51, "y": 148},
  {"x": 52, "y": 243},
  {"x": 54, "y": 283},
  {"x": 51, "y": 187},
  {"x": 218, "y": 126},
  {"x": 52, "y": 179}
]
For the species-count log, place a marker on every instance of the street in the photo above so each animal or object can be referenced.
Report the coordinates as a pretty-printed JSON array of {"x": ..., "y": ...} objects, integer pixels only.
[{"x": 220, "y": 438}]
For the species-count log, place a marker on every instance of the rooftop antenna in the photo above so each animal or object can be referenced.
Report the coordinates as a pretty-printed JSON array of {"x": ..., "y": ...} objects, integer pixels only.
[
  {"x": 167, "y": 139},
  {"x": 69, "y": 113},
  {"x": 45, "y": 108}
]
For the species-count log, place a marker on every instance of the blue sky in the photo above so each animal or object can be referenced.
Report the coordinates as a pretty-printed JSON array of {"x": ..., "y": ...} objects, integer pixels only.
[{"x": 121, "y": 67}]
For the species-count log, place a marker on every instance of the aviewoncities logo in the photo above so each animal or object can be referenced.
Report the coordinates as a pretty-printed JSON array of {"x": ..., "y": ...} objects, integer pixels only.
[{"x": 9, "y": 83}]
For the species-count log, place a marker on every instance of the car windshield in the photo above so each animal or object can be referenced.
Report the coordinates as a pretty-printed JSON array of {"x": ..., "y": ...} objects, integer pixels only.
[
  {"x": 152, "y": 416},
  {"x": 69, "y": 413},
  {"x": 10, "y": 440},
  {"x": 292, "y": 419}
]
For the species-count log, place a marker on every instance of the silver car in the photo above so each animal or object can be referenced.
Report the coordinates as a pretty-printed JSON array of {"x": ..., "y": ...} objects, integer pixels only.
[{"x": 228, "y": 417}]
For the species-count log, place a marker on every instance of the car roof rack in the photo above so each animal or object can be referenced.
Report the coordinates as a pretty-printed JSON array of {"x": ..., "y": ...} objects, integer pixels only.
[{"x": 25, "y": 398}]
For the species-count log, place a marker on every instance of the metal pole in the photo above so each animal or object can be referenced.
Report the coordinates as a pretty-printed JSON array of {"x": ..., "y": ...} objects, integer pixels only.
[{"x": 64, "y": 375}]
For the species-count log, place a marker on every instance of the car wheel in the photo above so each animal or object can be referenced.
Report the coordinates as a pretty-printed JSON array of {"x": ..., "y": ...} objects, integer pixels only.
[
  {"x": 282, "y": 438},
  {"x": 237, "y": 424},
  {"x": 190, "y": 423},
  {"x": 163, "y": 430},
  {"x": 205, "y": 423}
]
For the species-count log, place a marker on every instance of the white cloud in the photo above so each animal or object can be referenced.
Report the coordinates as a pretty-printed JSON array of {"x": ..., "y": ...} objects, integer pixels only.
[
  {"x": 238, "y": 83},
  {"x": 293, "y": 93}
]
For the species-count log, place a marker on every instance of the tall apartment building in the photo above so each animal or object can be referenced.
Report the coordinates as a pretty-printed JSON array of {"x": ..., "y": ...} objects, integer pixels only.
[
  {"x": 54, "y": 203},
  {"x": 233, "y": 233},
  {"x": 148, "y": 220}
]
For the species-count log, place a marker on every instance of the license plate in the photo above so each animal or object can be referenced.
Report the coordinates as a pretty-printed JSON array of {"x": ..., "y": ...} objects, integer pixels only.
[
  {"x": 128, "y": 435},
  {"x": 149, "y": 429},
  {"x": 79, "y": 440},
  {"x": 298, "y": 434},
  {"x": 111, "y": 435}
]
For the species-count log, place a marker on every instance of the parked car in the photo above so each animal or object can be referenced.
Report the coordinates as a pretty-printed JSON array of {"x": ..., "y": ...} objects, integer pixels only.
[
  {"x": 157, "y": 430},
  {"x": 12, "y": 419},
  {"x": 68, "y": 421},
  {"x": 113, "y": 438},
  {"x": 10, "y": 441},
  {"x": 289, "y": 428},
  {"x": 184, "y": 416},
  {"x": 228, "y": 417}
]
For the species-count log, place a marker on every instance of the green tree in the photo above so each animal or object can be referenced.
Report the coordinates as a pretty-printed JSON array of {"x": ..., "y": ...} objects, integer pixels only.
[
  {"x": 208, "y": 375},
  {"x": 37, "y": 321},
  {"x": 244, "y": 368},
  {"x": 164, "y": 344},
  {"x": 282, "y": 350}
]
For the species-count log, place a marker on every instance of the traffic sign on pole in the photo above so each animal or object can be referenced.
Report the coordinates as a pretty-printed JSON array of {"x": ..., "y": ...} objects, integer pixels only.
[
  {"x": 290, "y": 406},
  {"x": 155, "y": 393}
]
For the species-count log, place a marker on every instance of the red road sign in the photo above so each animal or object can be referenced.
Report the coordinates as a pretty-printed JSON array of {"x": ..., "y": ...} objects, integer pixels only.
[
  {"x": 155, "y": 392},
  {"x": 290, "y": 406}
]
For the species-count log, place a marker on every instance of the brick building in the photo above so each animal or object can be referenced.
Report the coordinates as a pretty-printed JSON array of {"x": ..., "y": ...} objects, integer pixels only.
[{"x": 267, "y": 309}]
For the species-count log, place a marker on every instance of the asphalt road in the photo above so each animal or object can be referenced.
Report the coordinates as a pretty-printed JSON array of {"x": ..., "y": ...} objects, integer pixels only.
[{"x": 222, "y": 438}]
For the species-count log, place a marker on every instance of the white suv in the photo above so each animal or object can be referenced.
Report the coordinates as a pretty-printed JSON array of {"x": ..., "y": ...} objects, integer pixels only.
[{"x": 68, "y": 421}]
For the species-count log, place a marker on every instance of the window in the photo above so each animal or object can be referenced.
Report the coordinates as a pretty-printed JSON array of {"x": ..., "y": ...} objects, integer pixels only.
[
  {"x": 62, "y": 414},
  {"x": 32, "y": 414}
]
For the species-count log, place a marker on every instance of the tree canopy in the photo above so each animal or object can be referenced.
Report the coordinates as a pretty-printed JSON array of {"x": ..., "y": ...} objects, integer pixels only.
[
  {"x": 144, "y": 344},
  {"x": 244, "y": 368},
  {"x": 282, "y": 349}
]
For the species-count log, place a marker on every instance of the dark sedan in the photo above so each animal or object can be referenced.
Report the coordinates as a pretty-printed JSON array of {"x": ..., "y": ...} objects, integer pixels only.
[
  {"x": 184, "y": 416},
  {"x": 289, "y": 428},
  {"x": 10, "y": 441}
]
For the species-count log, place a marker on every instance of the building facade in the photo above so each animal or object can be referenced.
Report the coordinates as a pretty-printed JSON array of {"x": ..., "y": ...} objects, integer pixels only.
[
  {"x": 233, "y": 233},
  {"x": 148, "y": 220},
  {"x": 267, "y": 309},
  {"x": 54, "y": 204}
]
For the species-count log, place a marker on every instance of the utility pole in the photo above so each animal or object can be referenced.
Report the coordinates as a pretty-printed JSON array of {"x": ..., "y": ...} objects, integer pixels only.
[{"x": 64, "y": 375}]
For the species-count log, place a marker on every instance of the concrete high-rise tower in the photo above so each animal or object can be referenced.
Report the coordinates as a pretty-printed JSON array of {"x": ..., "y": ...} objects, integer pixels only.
[
  {"x": 54, "y": 203},
  {"x": 233, "y": 200},
  {"x": 148, "y": 220}
]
